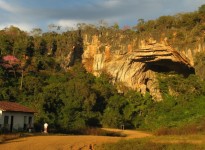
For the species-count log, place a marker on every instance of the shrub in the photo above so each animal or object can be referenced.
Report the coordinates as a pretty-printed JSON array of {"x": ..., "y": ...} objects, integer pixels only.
[
  {"x": 183, "y": 130},
  {"x": 97, "y": 131}
]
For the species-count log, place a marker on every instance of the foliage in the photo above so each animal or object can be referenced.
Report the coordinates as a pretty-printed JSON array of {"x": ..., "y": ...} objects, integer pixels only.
[
  {"x": 97, "y": 132},
  {"x": 69, "y": 98},
  {"x": 202, "y": 9},
  {"x": 183, "y": 102},
  {"x": 182, "y": 31},
  {"x": 199, "y": 64},
  {"x": 187, "y": 129}
]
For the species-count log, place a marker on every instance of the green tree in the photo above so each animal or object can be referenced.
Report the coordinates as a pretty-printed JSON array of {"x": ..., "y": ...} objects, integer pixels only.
[
  {"x": 202, "y": 9},
  {"x": 199, "y": 65},
  {"x": 113, "y": 114},
  {"x": 136, "y": 108},
  {"x": 5, "y": 44},
  {"x": 36, "y": 32}
]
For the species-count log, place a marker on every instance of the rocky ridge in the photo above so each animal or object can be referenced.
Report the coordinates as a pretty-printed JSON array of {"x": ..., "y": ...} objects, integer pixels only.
[{"x": 135, "y": 69}]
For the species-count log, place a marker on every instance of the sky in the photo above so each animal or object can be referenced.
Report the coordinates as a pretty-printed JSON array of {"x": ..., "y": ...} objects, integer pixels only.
[{"x": 30, "y": 14}]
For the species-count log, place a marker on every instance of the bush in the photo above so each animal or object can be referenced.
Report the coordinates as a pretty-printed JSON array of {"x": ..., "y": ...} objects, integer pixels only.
[
  {"x": 96, "y": 131},
  {"x": 183, "y": 130}
]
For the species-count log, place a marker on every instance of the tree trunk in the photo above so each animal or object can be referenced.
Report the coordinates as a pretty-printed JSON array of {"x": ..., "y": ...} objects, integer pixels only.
[{"x": 21, "y": 85}]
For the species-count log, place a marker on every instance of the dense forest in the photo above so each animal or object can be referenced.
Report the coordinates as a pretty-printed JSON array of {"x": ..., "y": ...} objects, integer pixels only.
[{"x": 33, "y": 73}]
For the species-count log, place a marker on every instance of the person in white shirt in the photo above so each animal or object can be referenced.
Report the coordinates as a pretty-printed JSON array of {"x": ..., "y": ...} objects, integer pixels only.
[{"x": 45, "y": 128}]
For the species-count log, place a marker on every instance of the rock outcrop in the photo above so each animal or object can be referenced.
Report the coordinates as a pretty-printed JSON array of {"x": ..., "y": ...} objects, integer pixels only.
[{"x": 137, "y": 68}]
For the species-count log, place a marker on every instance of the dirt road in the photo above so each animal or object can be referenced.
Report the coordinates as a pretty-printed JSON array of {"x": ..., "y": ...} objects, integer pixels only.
[{"x": 66, "y": 142}]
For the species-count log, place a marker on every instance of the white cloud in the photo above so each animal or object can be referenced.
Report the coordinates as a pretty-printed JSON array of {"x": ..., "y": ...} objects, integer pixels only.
[
  {"x": 10, "y": 8},
  {"x": 67, "y": 23},
  {"x": 6, "y": 6},
  {"x": 22, "y": 26},
  {"x": 111, "y": 3}
]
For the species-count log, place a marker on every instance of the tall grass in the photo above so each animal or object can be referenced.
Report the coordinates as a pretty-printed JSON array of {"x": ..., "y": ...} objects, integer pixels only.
[
  {"x": 145, "y": 144},
  {"x": 184, "y": 130}
]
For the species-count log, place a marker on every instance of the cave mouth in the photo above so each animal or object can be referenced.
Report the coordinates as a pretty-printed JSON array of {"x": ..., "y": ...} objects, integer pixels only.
[
  {"x": 158, "y": 68},
  {"x": 165, "y": 66}
]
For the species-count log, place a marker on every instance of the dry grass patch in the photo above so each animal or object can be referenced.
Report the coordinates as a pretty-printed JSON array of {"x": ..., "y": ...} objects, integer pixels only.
[
  {"x": 100, "y": 132},
  {"x": 6, "y": 137},
  {"x": 195, "y": 128},
  {"x": 186, "y": 142},
  {"x": 180, "y": 139}
]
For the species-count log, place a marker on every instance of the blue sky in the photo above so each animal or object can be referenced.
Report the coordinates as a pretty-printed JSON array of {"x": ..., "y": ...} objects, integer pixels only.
[{"x": 29, "y": 14}]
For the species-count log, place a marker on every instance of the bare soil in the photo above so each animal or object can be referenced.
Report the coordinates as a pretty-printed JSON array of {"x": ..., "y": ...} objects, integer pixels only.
[{"x": 53, "y": 142}]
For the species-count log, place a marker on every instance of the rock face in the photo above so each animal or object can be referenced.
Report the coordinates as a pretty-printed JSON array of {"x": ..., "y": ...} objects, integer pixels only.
[{"x": 135, "y": 69}]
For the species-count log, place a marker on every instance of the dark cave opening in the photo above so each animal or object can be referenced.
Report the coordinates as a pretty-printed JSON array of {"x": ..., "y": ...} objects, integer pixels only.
[
  {"x": 166, "y": 66},
  {"x": 158, "y": 68}
]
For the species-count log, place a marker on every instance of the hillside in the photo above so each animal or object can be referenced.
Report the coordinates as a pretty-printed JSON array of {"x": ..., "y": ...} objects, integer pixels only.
[{"x": 106, "y": 76}]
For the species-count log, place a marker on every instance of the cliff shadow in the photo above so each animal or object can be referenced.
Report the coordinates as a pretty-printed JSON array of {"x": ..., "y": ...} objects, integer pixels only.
[{"x": 78, "y": 48}]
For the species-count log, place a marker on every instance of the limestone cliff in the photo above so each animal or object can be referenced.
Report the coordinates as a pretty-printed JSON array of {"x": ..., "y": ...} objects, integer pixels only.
[{"x": 134, "y": 68}]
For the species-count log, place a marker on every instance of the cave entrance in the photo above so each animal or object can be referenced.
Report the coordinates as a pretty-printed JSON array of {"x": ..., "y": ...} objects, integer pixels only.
[
  {"x": 158, "y": 68},
  {"x": 165, "y": 66}
]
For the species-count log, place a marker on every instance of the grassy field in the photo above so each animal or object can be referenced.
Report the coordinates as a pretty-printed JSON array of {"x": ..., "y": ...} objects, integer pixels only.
[{"x": 168, "y": 142}]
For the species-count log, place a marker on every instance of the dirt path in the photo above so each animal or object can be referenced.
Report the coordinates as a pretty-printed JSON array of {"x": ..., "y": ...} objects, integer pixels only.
[
  {"x": 66, "y": 142},
  {"x": 130, "y": 133}
]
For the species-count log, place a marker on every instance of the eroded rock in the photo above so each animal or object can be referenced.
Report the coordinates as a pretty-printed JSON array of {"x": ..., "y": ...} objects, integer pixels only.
[{"x": 136, "y": 69}]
